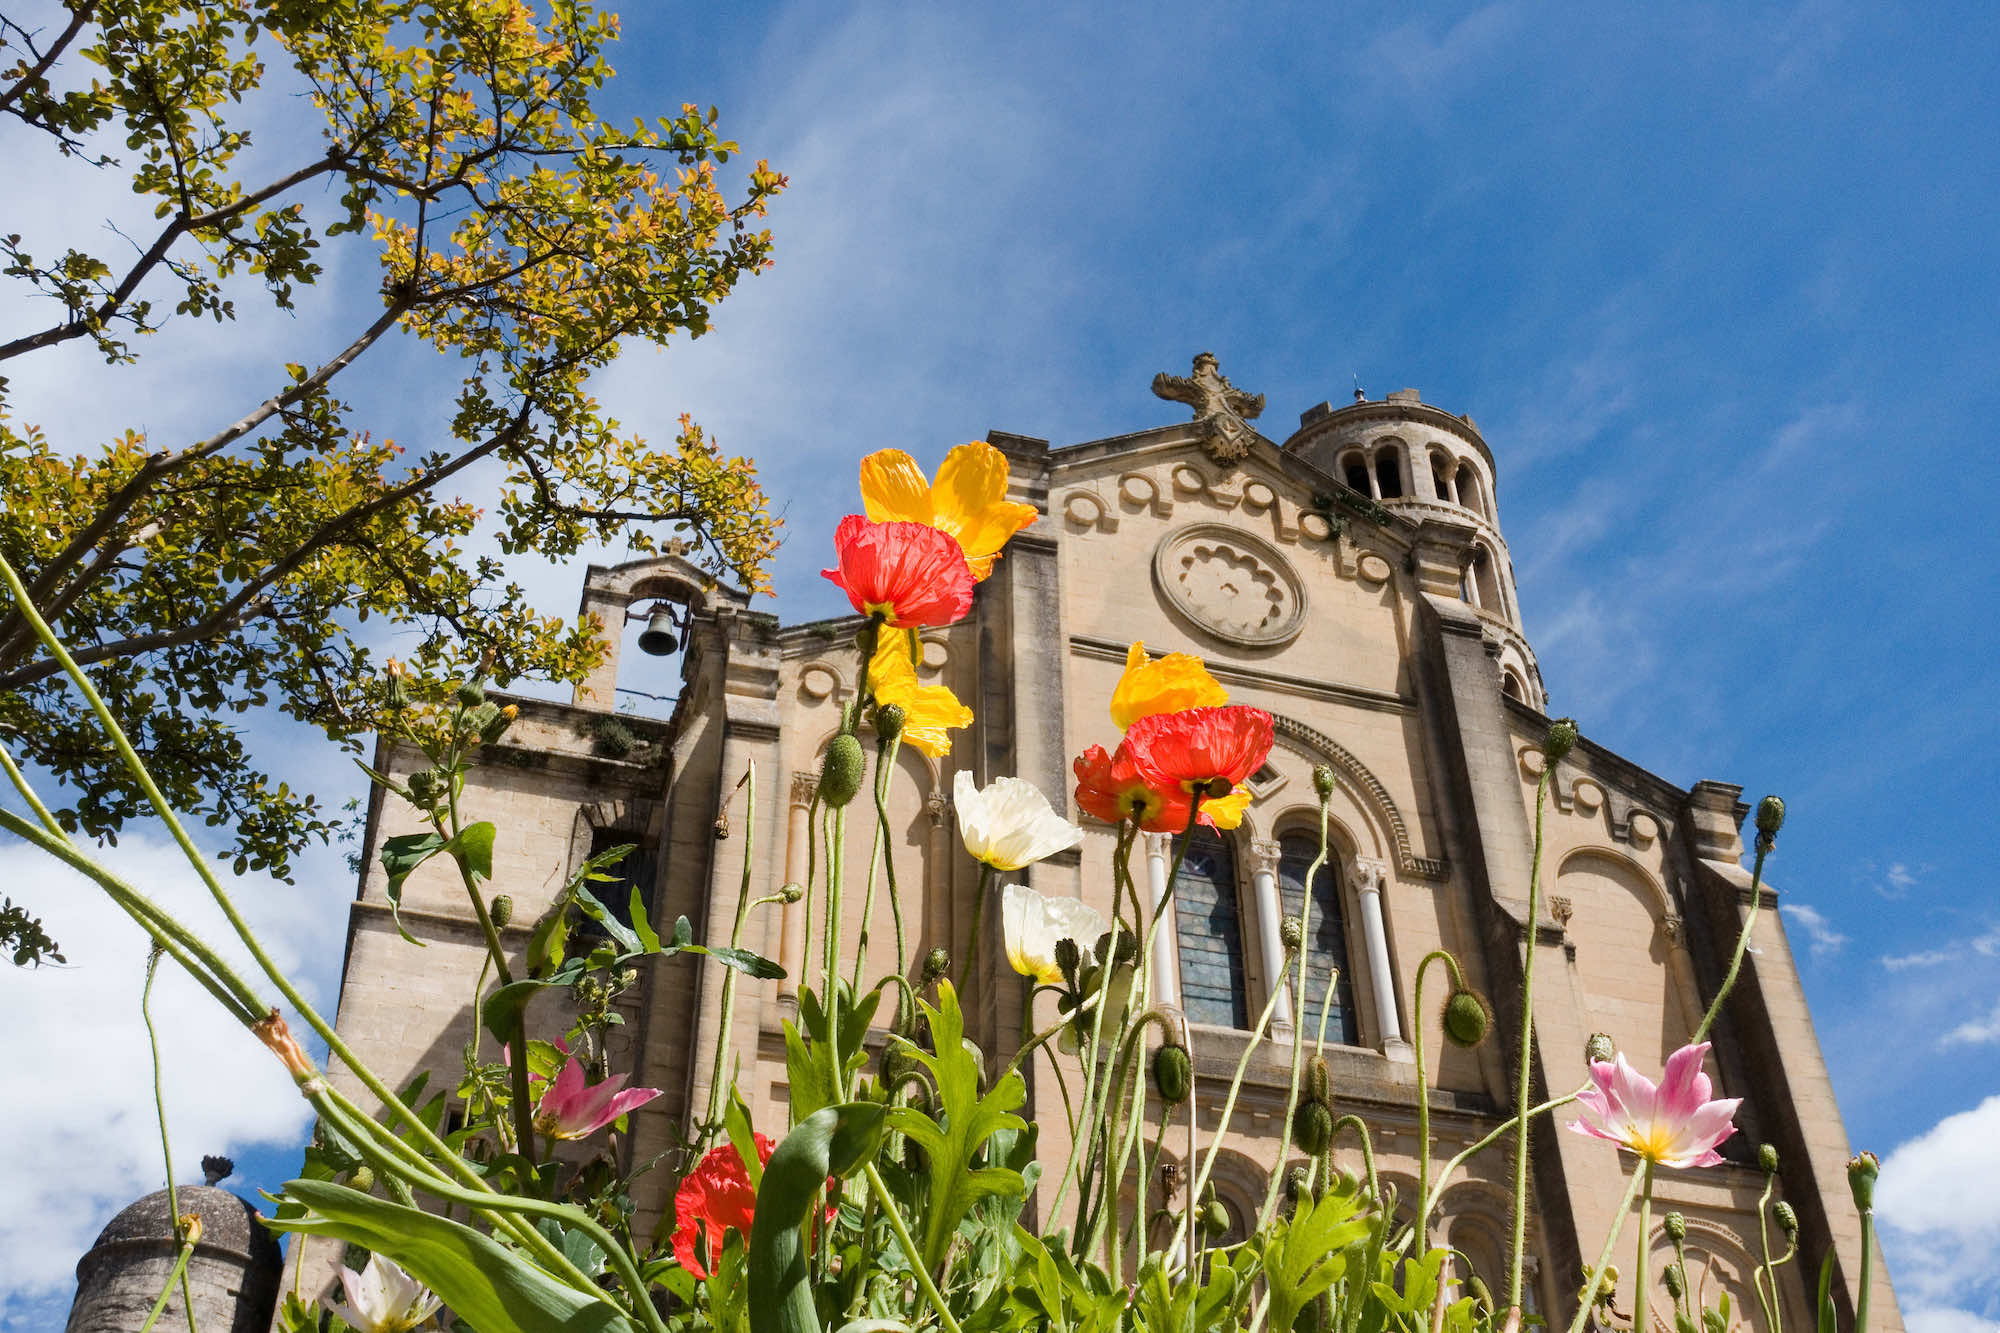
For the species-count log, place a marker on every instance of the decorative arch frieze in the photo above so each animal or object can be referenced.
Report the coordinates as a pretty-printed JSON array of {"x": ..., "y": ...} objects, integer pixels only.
[{"x": 1317, "y": 743}]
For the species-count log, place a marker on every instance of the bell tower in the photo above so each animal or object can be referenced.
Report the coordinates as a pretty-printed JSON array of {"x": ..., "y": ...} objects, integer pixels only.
[{"x": 1435, "y": 469}]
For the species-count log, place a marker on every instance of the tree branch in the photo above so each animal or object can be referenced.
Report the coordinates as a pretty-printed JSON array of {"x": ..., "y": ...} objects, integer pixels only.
[{"x": 78, "y": 19}]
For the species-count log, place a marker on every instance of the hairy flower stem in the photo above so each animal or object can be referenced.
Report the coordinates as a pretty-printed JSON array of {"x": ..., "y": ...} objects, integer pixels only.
[
  {"x": 1299, "y": 1000},
  {"x": 1764, "y": 845},
  {"x": 1763, "y": 1274},
  {"x": 1865, "y": 1287},
  {"x": 179, "y": 1275},
  {"x": 894, "y": 1217},
  {"x": 166, "y": 1147},
  {"x": 1423, "y": 1087},
  {"x": 1526, "y": 1071},
  {"x": 1235, "y": 1088},
  {"x": 1642, "y": 1262},
  {"x": 206, "y": 957},
  {"x": 1596, "y": 1279},
  {"x": 1505, "y": 1127},
  {"x": 718, "y": 1090},
  {"x": 966, "y": 973},
  {"x": 1096, "y": 1085}
]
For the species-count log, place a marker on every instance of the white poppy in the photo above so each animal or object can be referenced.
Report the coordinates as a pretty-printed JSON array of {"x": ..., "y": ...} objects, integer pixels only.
[
  {"x": 1032, "y": 925},
  {"x": 382, "y": 1298},
  {"x": 1010, "y": 824}
]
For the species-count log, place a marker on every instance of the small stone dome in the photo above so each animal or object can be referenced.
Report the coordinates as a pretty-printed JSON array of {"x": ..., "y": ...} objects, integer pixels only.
[{"x": 232, "y": 1274}]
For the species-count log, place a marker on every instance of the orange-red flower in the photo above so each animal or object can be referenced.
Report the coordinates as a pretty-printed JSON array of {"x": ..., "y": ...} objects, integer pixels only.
[
  {"x": 1110, "y": 787},
  {"x": 969, "y": 500},
  {"x": 1190, "y": 750},
  {"x": 910, "y": 573},
  {"x": 716, "y": 1197}
]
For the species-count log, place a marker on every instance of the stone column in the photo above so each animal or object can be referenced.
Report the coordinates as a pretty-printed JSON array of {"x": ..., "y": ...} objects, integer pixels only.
[
  {"x": 1166, "y": 944},
  {"x": 793, "y": 927},
  {"x": 1270, "y": 915},
  {"x": 1369, "y": 876}
]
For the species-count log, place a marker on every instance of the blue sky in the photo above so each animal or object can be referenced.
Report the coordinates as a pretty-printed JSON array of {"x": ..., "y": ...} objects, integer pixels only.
[{"x": 1717, "y": 283}]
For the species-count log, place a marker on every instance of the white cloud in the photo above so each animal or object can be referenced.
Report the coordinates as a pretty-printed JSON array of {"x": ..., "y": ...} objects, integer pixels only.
[
  {"x": 1943, "y": 1238},
  {"x": 1902, "y": 876},
  {"x": 1825, "y": 939},
  {"x": 81, "y": 1124},
  {"x": 1925, "y": 958},
  {"x": 1975, "y": 1032}
]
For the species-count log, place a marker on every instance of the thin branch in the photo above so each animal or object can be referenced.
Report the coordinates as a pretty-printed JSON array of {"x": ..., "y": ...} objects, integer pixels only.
[{"x": 77, "y": 20}]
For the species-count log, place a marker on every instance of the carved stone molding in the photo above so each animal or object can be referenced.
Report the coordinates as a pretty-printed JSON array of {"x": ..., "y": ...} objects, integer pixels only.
[
  {"x": 804, "y": 785},
  {"x": 937, "y": 805},
  {"x": 1562, "y": 909},
  {"x": 1263, "y": 855},
  {"x": 1323, "y": 746},
  {"x": 1233, "y": 584},
  {"x": 1369, "y": 874},
  {"x": 1221, "y": 410},
  {"x": 1675, "y": 930}
]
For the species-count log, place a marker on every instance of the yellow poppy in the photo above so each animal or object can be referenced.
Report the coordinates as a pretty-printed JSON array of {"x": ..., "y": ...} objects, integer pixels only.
[
  {"x": 1227, "y": 812},
  {"x": 929, "y": 711},
  {"x": 969, "y": 500},
  {"x": 1174, "y": 682}
]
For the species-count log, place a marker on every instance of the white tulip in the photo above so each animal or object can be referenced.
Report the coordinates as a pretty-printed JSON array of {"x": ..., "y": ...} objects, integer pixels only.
[
  {"x": 1010, "y": 824},
  {"x": 382, "y": 1298},
  {"x": 1032, "y": 925}
]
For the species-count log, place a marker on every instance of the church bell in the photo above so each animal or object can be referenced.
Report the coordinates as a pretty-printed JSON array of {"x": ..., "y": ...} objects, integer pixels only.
[{"x": 658, "y": 640}]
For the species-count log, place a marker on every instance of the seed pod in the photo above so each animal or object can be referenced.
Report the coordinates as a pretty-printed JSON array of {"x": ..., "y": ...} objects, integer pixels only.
[
  {"x": 1767, "y": 1159},
  {"x": 1466, "y": 1018},
  {"x": 1788, "y": 1221},
  {"x": 1323, "y": 780},
  {"x": 1770, "y": 814},
  {"x": 469, "y": 694},
  {"x": 1291, "y": 933},
  {"x": 1560, "y": 739},
  {"x": 937, "y": 965},
  {"x": 502, "y": 910},
  {"x": 841, "y": 773},
  {"x": 1599, "y": 1050},
  {"x": 1676, "y": 1227},
  {"x": 889, "y": 719},
  {"x": 1173, "y": 1073},
  {"x": 1312, "y": 1127}
]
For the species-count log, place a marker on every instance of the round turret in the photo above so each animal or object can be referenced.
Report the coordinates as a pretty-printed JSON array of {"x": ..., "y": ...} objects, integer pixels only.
[
  {"x": 232, "y": 1275},
  {"x": 1424, "y": 463}
]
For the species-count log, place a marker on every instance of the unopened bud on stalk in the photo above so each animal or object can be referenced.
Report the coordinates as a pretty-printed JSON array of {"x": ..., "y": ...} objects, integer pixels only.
[
  {"x": 1560, "y": 739},
  {"x": 190, "y": 1229},
  {"x": 362, "y": 1178},
  {"x": 1600, "y": 1049},
  {"x": 1788, "y": 1221},
  {"x": 899, "y": 1061},
  {"x": 1676, "y": 1227},
  {"x": 1767, "y": 1159},
  {"x": 1466, "y": 1018},
  {"x": 889, "y": 720},
  {"x": 1291, "y": 933},
  {"x": 1295, "y": 1183},
  {"x": 937, "y": 965},
  {"x": 841, "y": 772},
  {"x": 1770, "y": 814},
  {"x": 1861, "y": 1172},
  {"x": 469, "y": 694},
  {"x": 1672, "y": 1278},
  {"x": 1312, "y": 1127},
  {"x": 1215, "y": 1218},
  {"x": 497, "y": 725},
  {"x": 790, "y": 893},
  {"x": 502, "y": 910},
  {"x": 1323, "y": 780},
  {"x": 1319, "y": 1083},
  {"x": 1068, "y": 958},
  {"x": 425, "y": 786},
  {"x": 1127, "y": 946},
  {"x": 1173, "y": 1073}
]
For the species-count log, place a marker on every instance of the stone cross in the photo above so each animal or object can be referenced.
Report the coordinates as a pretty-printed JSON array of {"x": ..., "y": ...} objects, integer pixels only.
[{"x": 1221, "y": 410}]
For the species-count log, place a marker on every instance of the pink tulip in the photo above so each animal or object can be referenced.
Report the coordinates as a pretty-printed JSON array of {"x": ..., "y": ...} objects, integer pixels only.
[
  {"x": 572, "y": 1109},
  {"x": 1674, "y": 1124}
]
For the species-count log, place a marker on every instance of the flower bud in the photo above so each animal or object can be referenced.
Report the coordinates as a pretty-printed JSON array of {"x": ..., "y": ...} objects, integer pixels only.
[
  {"x": 1068, "y": 958},
  {"x": 1127, "y": 946},
  {"x": 1466, "y": 1018},
  {"x": 899, "y": 1062},
  {"x": 1312, "y": 1127},
  {"x": 469, "y": 694},
  {"x": 889, "y": 720},
  {"x": 1788, "y": 1221},
  {"x": 1295, "y": 1183},
  {"x": 1323, "y": 780},
  {"x": 496, "y": 726},
  {"x": 1214, "y": 1219},
  {"x": 1770, "y": 814},
  {"x": 1291, "y": 933},
  {"x": 1173, "y": 1073},
  {"x": 1319, "y": 1085},
  {"x": 502, "y": 910},
  {"x": 1862, "y": 1169},
  {"x": 361, "y": 1178},
  {"x": 1560, "y": 739},
  {"x": 1599, "y": 1050},
  {"x": 1672, "y": 1278},
  {"x": 1767, "y": 1159},
  {"x": 425, "y": 786},
  {"x": 190, "y": 1228},
  {"x": 937, "y": 965},
  {"x": 1610, "y": 1277},
  {"x": 841, "y": 773},
  {"x": 1676, "y": 1227},
  {"x": 791, "y": 893}
]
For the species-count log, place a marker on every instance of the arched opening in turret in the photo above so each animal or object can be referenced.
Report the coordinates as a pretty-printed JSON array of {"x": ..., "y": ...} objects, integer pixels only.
[
  {"x": 1510, "y": 685},
  {"x": 1467, "y": 486},
  {"x": 1354, "y": 471},
  {"x": 1486, "y": 581},
  {"x": 1441, "y": 477},
  {"x": 1389, "y": 472}
]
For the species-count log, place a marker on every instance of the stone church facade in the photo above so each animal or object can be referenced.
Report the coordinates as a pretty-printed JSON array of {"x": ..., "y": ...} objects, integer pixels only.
[{"x": 1353, "y": 581}]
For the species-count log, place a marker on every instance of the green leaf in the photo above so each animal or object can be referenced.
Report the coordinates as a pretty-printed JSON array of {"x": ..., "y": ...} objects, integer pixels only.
[
  {"x": 743, "y": 961},
  {"x": 834, "y": 1141},
  {"x": 1826, "y": 1320},
  {"x": 627, "y": 941},
  {"x": 649, "y": 939},
  {"x": 502, "y": 1011},
  {"x": 1309, "y": 1253},
  {"x": 743, "y": 1136},
  {"x": 401, "y": 855},
  {"x": 968, "y": 1121},
  {"x": 473, "y": 848},
  {"x": 486, "y": 1285}
]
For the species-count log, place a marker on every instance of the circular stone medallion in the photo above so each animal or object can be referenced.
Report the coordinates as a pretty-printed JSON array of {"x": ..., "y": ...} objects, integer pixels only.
[{"x": 1232, "y": 584}]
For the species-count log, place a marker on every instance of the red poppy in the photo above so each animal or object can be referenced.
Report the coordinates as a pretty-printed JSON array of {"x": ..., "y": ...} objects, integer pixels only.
[
  {"x": 1195, "y": 747},
  {"x": 1110, "y": 787},
  {"x": 717, "y": 1196},
  {"x": 912, "y": 574}
]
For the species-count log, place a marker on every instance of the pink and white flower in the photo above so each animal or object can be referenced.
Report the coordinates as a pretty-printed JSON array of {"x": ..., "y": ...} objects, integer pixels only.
[
  {"x": 574, "y": 1109},
  {"x": 382, "y": 1298},
  {"x": 1673, "y": 1124}
]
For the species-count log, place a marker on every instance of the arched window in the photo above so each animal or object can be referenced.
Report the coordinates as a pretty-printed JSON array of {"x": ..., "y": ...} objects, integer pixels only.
[
  {"x": 1468, "y": 489},
  {"x": 1485, "y": 571},
  {"x": 1326, "y": 944},
  {"x": 1510, "y": 685},
  {"x": 1389, "y": 472},
  {"x": 1354, "y": 471},
  {"x": 1441, "y": 476},
  {"x": 1210, "y": 934}
]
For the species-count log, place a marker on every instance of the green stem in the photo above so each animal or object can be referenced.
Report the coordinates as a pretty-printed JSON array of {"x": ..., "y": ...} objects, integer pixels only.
[
  {"x": 1604, "y": 1257},
  {"x": 718, "y": 1093},
  {"x": 874, "y": 867},
  {"x": 966, "y": 975},
  {"x": 1642, "y": 1297},
  {"x": 1764, "y": 1240},
  {"x": 1229, "y": 1102},
  {"x": 885, "y": 761},
  {"x": 1764, "y": 845},
  {"x": 178, "y": 1275},
  {"x": 1360, "y": 1128},
  {"x": 1867, "y": 1283},
  {"x": 1300, "y": 999},
  {"x": 1423, "y": 1088},
  {"x": 1505, "y": 1126},
  {"x": 160, "y": 1110},
  {"x": 1520, "y": 1233},
  {"x": 894, "y": 1217}
]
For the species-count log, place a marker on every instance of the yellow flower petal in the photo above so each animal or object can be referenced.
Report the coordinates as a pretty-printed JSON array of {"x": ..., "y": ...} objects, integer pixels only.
[
  {"x": 1228, "y": 811},
  {"x": 1174, "y": 682},
  {"x": 929, "y": 711},
  {"x": 893, "y": 489},
  {"x": 970, "y": 502}
]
